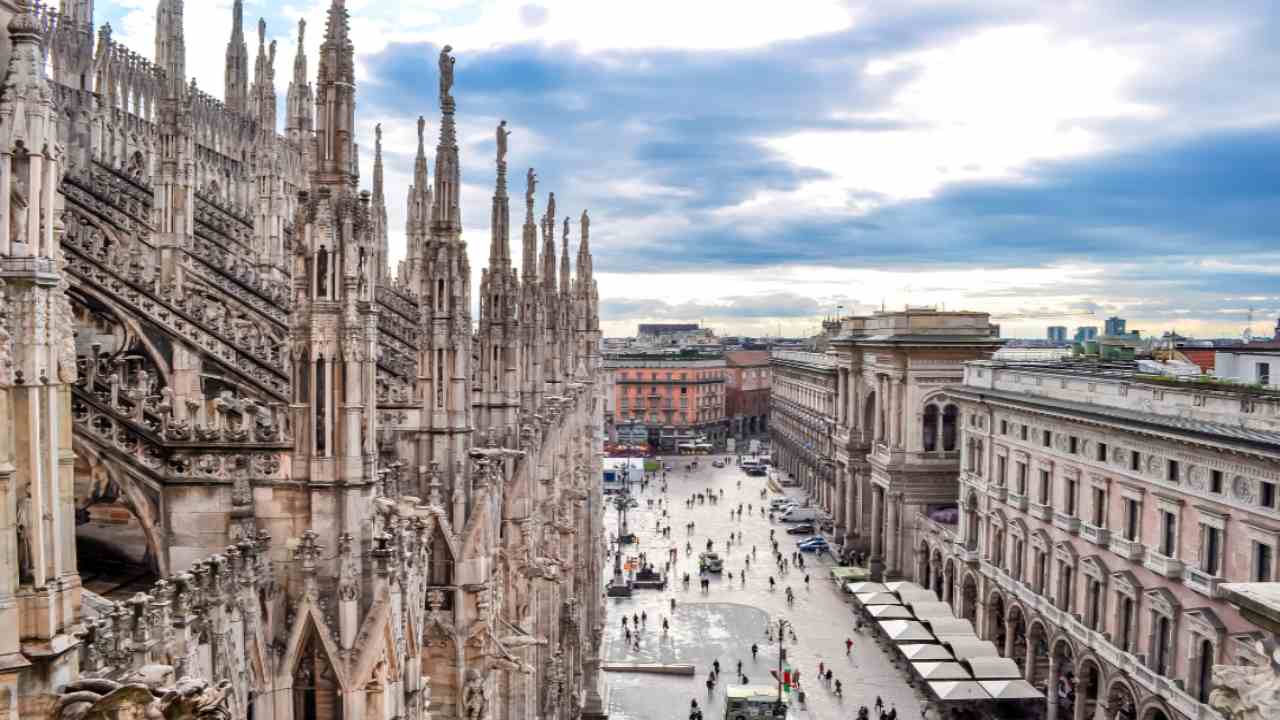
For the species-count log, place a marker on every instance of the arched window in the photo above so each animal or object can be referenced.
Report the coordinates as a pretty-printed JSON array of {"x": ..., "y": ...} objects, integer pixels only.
[
  {"x": 930, "y": 438},
  {"x": 1205, "y": 671},
  {"x": 322, "y": 273},
  {"x": 949, "y": 416}
]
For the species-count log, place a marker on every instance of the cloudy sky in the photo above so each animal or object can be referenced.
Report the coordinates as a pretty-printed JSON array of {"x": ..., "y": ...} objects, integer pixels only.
[{"x": 755, "y": 165}]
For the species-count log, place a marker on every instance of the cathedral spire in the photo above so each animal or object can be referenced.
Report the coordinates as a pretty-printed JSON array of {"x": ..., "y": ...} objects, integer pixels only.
[
  {"x": 446, "y": 213},
  {"x": 419, "y": 202},
  {"x": 549, "y": 246},
  {"x": 584, "y": 252},
  {"x": 171, "y": 48},
  {"x": 264, "y": 83},
  {"x": 564, "y": 259},
  {"x": 336, "y": 100},
  {"x": 237, "y": 67},
  {"x": 379, "y": 207},
  {"x": 529, "y": 244},
  {"x": 299, "y": 103},
  {"x": 500, "y": 222}
]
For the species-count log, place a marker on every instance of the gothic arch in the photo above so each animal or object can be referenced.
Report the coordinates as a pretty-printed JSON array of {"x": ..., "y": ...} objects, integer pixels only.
[{"x": 138, "y": 501}]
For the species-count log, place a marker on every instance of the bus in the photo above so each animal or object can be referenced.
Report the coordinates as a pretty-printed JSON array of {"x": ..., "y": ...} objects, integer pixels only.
[{"x": 755, "y": 702}]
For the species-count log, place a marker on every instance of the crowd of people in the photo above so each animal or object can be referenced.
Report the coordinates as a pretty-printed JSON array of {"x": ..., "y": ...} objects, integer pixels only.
[{"x": 735, "y": 569}]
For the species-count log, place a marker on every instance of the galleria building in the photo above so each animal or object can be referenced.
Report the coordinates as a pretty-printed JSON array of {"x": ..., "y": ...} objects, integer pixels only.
[
  {"x": 1084, "y": 517},
  {"x": 361, "y": 504}
]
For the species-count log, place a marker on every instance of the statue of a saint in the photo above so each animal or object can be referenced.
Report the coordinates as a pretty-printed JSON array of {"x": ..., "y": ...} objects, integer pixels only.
[
  {"x": 586, "y": 223},
  {"x": 446, "y": 72},
  {"x": 566, "y": 230},
  {"x": 531, "y": 185},
  {"x": 25, "y": 564},
  {"x": 503, "y": 132},
  {"x": 474, "y": 702}
]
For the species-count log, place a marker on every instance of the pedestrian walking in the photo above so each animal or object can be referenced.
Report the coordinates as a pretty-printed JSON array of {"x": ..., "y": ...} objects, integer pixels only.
[
  {"x": 644, "y": 618},
  {"x": 821, "y": 667},
  {"x": 715, "y": 664},
  {"x": 771, "y": 583},
  {"x": 624, "y": 621},
  {"x": 673, "y": 605},
  {"x": 739, "y": 667},
  {"x": 755, "y": 649},
  {"x": 628, "y": 636},
  {"x": 665, "y": 626},
  {"x": 828, "y": 675},
  {"x": 879, "y": 704},
  {"x": 848, "y": 642},
  {"x": 806, "y": 581}
]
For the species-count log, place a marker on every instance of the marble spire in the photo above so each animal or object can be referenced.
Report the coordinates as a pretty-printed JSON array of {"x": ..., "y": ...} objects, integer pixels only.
[
  {"x": 171, "y": 47},
  {"x": 379, "y": 215},
  {"x": 299, "y": 102},
  {"x": 336, "y": 101},
  {"x": 446, "y": 214},
  {"x": 236, "y": 71},
  {"x": 264, "y": 82}
]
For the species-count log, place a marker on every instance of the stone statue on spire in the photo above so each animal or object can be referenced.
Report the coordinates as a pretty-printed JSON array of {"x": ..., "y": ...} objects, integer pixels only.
[
  {"x": 586, "y": 223},
  {"x": 422, "y": 131},
  {"x": 566, "y": 230},
  {"x": 531, "y": 185},
  {"x": 446, "y": 72},
  {"x": 503, "y": 132}
]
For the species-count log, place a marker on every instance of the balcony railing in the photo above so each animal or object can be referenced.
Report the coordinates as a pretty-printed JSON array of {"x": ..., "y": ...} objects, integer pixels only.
[
  {"x": 1017, "y": 501},
  {"x": 997, "y": 492},
  {"x": 1066, "y": 521},
  {"x": 1044, "y": 512},
  {"x": 1162, "y": 565},
  {"x": 1099, "y": 536},
  {"x": 1128, "y": 549},
  {"x": 1202, "y": 582}
]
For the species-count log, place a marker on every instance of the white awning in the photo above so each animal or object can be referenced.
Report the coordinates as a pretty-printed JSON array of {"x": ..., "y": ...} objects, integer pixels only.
[
  {"x": 925, "y": 652},
  {"x": 890, "y": 612},
  {"x": 882, "y": 598},
  {"x": 953, "y": 690},
  {"x": 992, "y": 668},
  {"x": 942, "y": 671},
  {"x": 865, "y": 587},
  {"x": 1011, "y": 690},
  {"x": 966, "y": 649},
  {"x": 905, "y": 631}
]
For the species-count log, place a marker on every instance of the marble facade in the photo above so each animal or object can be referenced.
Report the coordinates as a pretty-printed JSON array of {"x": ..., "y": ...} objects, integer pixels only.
[{"x": 361, "y": 506}]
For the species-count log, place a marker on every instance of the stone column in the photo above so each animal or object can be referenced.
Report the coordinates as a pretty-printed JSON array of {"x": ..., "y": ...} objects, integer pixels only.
[
  {"x": 877, "y": 533},
  {"x": 1051, "y": 690},
  {"x": 878, "y": 411},
  {"x": 1029, "y": 669},
  {"x": 892, "y": 553},
  {"x": 837, "y": 514},
  {"x": 1008, "y": 637},
  {"x": 842, "y": 385},
  {"x": 851, "y": 520}
]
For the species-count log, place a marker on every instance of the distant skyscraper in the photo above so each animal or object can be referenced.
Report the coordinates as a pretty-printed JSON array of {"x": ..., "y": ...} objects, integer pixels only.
[
  {"x": 1114, "y": 327},
  {"x": 1057, "y": 333},
  {"x": 1085, "y": 333}
]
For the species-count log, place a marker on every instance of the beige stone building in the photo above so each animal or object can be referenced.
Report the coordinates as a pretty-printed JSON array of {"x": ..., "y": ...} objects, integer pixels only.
[
  {"x": 802, "y": 404},
  {"x": 1101, "y": 511},
  {"x": 357, "y": 505}
]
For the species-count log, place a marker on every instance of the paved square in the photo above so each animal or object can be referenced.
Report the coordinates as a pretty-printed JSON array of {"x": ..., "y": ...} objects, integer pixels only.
[{"x": 722, "y": 623}]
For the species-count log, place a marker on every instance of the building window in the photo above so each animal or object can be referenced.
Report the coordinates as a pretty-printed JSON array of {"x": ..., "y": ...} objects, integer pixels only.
[
  {"x": 1132, "y": 519},
  {"x": 1264, "y": 373},
  {"x": 1210, "y": 548},
  {"x": 1046, "y": 439},
  {"x": 1262, "y": 562},
  {"x": 1215, "y": 481},
  {"x": 1135, "y": 460},
  {"x": 1072, "y": 485},
  {"x": 1162, "y": 640},
  {"x": 1073, "y": 444},
  {"x": 1268, "y": 495},
  {"x": 1022, "y": 478},
  {"x": 1125, "y": 617},
  {"x": 1004, "y": 427},
  {"x": 1099, "y": 517},
  {"x": 1002, "y": 463},
  {"x": 1024, "y": 432},
  {"x": 1044, "y": 487},
  {"x": 1168, "y": 534},
  {"x": 1171, "y": 468},
  {"x": 1102, "y": 452}
]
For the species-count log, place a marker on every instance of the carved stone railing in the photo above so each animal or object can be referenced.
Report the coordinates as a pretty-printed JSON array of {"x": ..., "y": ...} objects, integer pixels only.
[
  {"x": 1128, "y": 549},
  {"x": 1162, "y": 565},
  {"x": 1202, "y": 582},
  {"x": 1099, "y": 536},
  {"x": 269, "y": 374}
]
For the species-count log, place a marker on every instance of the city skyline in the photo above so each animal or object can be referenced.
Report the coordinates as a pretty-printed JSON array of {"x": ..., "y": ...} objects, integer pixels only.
[{"x": 927, "y": 169}]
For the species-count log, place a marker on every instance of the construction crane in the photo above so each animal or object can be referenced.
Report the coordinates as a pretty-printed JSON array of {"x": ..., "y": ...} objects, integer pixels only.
[{"x": 1043, "y": 315}]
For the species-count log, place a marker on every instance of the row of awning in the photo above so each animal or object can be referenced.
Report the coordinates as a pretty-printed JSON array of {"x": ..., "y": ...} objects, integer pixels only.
[{"x": 942, "y": 650}]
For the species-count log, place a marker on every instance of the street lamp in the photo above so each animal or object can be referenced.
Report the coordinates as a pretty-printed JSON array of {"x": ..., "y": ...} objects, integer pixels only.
[{"x": 779, "y": 710}]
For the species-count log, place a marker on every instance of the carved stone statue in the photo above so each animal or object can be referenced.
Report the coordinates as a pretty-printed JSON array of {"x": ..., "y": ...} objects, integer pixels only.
[
  {"x": 24, "y": 536},
  {"x": 566, "y": 229},
  {"x": 586, "y": 223},
  {"x": 503, "y": 133},
  {"x": 446, "y": 72},
  {"x": 531, "y": 185},
  {"x": 475, "y": 701}
]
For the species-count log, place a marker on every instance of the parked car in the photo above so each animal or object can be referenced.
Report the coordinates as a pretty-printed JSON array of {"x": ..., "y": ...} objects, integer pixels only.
[
  {"x": 757, "y": 472},
  {"x": 667, "y": 467},
  {"x": 814, "y": 544},
  {"x": 799, "y": 514},
  {"x": 717, "y": 463},
  {"x": 711, "y": 562},
  {"x": 802, "y": 529},
  {"x": 778, "y": 503}
]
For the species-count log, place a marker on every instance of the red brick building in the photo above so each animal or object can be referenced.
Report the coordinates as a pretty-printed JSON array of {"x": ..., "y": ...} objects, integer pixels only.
[{"x": 748, "y": 380}]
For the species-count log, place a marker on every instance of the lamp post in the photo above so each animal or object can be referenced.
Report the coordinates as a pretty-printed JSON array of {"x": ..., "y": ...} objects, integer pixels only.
[{"x": 779, "y": 710}]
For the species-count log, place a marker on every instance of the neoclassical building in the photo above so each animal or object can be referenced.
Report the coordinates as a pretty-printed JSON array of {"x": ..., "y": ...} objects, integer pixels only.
[
  {"x": 359, "y": 503},
  {"x": 802, "y": 405},
  {"x": 1101, "y": 511}
]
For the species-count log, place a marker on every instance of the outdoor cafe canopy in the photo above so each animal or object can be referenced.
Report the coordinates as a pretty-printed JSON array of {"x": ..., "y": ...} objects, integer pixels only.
[
  {"x": 965, "y": 649},
  {"x": 905, "y": 631},
  {"x": 1011, "y": 690},
  {"x": 866, "y": 587},
  {"x": 889, "y": 612},
  {"x": 992, "y": 668},
  {"x": 958, "y": 690},
  {"x": 880, "y": 598},
  {"x": 925, "y": 651},
  {"x": 942, "y": 671},
  {"x": 925, "y": 609}
]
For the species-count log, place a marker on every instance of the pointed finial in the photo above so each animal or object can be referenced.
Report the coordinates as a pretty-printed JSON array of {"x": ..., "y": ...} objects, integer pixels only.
[
  {"x": 377, "y": 138},
  {"x": 302, "y": 32},
  {"x": 262, "y": 32},
  {"x": 422, "y": 133}
]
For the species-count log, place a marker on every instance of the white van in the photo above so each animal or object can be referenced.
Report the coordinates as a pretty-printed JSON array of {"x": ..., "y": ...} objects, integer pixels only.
[
  {"x": 799, "y": 514},
  {"x": 776, "y": 503}
]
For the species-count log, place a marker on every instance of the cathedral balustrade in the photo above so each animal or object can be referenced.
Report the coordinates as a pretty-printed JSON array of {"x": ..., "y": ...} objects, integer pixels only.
[{"x": 266, "y": 371}]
